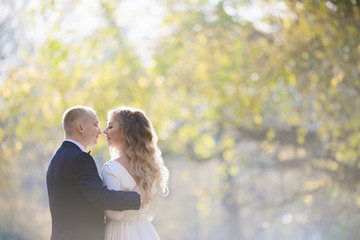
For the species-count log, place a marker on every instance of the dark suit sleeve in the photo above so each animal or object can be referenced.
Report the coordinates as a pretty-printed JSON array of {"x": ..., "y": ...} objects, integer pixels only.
[{"x": 91, "y": 186}]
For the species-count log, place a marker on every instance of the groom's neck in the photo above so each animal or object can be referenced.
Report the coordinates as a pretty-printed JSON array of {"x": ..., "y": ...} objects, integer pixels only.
[{"x": 76, "y": 139}]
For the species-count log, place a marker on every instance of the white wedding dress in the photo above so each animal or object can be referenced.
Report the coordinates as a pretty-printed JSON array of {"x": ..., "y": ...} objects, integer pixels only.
[{"x": 129, "y": 224}]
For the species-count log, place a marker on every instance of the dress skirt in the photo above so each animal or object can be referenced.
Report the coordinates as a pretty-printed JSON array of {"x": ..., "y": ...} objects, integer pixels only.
[{"x": 130, "y": 230}]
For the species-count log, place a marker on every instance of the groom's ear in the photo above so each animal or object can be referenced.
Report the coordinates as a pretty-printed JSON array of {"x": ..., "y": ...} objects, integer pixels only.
[{"x": 79, "y": 128}]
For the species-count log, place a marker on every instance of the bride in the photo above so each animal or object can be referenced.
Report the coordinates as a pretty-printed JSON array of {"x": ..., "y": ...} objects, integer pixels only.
[{"x": 135, "y": 160}]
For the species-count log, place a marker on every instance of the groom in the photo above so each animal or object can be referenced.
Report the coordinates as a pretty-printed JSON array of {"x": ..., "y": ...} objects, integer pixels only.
[{"x": 77, "y": 197}]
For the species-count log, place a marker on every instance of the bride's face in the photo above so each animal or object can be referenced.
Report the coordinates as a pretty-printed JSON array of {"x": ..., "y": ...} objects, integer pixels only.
[{"x": 114, "y": 136}]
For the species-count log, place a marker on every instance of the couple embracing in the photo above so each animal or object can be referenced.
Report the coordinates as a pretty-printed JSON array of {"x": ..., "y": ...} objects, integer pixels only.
[{"x": 131, "y": 185}]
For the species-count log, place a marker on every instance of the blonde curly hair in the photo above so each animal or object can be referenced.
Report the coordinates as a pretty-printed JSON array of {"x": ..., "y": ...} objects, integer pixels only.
[{"x": 141, "y": 148}]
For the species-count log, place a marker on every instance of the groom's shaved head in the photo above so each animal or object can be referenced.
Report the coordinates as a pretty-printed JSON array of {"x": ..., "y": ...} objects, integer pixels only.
[{"x": 73, "y": 115}]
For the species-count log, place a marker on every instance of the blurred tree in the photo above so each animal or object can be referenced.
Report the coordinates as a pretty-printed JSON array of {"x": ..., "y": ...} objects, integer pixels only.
[{"x": 288, "y": 81}]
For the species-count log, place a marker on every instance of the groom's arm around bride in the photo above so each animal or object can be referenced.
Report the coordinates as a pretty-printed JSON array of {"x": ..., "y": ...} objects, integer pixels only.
[{"x": 91, "y": 186}]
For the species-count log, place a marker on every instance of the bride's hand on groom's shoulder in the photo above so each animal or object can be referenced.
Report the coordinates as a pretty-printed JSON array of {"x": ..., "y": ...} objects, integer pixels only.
[{"x": 143, "y": 196}]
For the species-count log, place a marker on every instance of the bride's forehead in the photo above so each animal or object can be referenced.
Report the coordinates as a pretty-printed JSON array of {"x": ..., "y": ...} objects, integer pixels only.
[{"x": 111, "y": 118}]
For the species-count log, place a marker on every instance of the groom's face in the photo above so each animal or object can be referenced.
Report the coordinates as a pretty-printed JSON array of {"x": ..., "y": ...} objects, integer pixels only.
[{"x": 92, "y": 129}]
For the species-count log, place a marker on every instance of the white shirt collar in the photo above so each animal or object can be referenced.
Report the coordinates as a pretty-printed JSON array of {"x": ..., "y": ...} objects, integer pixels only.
[{"x": 76, "y": 143}]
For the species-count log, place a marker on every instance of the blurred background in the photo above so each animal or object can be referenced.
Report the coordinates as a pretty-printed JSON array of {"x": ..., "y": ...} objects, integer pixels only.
[{"x": 256, "y": 105}]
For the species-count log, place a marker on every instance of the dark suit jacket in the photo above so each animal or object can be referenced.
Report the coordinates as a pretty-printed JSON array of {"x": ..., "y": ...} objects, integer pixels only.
[{"x": 77, "y": 197}]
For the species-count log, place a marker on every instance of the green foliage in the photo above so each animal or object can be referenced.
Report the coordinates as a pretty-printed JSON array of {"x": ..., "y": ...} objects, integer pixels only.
[{"x": 295, "y": 84}]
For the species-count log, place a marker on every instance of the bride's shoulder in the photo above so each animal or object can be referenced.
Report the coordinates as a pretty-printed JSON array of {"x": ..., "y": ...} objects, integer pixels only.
[
  {"x": 111, "y": 168},
  {"x": 108, "y": 165}
]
